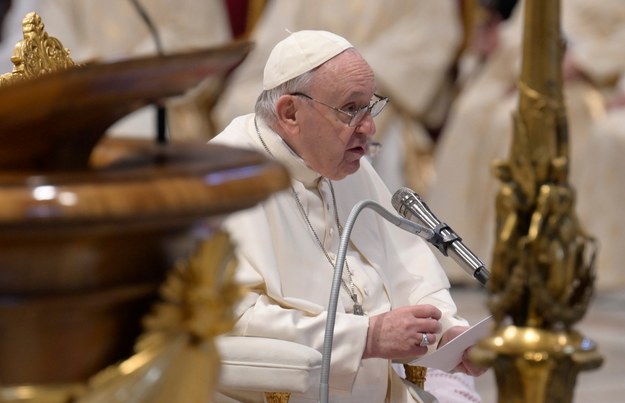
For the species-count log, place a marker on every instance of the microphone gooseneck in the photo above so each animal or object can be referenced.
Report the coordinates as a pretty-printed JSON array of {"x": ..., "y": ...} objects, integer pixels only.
[
  {"x": 161, "y": 112},
  {"x": 398, "y": 221},
  {"x": 409, "y": 205}
]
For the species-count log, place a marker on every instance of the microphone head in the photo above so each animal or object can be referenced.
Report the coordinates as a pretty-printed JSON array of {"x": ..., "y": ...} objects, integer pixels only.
[
  {"x": 399, "y": 196},
  {"x": 409, "y": 205}
]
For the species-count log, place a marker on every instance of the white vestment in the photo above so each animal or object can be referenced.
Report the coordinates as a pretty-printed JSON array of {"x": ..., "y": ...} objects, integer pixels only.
[{"x": 289, "y": 276}]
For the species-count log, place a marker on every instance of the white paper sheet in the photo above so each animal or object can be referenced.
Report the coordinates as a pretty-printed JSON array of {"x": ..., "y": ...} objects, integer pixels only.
[{"x": 447, "y": 357}]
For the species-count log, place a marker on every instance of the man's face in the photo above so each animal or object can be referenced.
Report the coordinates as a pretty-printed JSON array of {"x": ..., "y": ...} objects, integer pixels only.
[{"x": 325, "y": 141}]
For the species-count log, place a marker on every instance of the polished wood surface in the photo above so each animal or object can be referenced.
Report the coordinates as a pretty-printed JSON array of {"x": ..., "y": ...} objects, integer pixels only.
[
  {"x": 83, "y": 253},
  {"x": 52, "y": 122},
  {"x": 155, "y": 182},
  {"x": 89, "y": 225}
]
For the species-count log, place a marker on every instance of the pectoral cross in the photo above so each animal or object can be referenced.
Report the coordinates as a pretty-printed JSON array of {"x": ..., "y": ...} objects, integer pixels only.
[{"x": 357, "y": 307}]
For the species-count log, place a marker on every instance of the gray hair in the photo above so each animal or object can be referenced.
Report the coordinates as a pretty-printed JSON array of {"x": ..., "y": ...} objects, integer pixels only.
[{"x": 266, "y": 103}]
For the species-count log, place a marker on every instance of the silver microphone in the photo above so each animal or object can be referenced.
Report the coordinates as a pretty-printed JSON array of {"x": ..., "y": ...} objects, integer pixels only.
[{"x": 409, "y": 205}]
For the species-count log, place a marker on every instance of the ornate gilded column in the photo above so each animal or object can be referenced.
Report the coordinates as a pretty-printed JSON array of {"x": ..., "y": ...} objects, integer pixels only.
[{"x": 542, "y": 275}]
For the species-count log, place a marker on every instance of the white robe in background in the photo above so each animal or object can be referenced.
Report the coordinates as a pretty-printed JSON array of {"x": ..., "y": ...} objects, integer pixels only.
[
  {"x": 112, "y": 30},
  {"x": 480, "y": 128}
]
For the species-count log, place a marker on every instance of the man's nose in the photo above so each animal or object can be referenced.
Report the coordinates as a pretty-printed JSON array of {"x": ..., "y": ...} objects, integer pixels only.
[{"x": 366, "y": 125}]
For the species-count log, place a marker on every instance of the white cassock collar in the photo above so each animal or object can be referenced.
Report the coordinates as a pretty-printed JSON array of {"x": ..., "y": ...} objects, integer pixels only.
[{"x": 280, "y": 150}]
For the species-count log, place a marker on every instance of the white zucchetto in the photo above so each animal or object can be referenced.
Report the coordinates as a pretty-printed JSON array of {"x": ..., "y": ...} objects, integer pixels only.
[{"x": 300, "y": 52}]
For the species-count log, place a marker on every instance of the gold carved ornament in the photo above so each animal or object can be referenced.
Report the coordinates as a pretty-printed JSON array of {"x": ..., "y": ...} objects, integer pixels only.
[
  {"x": 36, "y": 54},
  {"x": 176, "y": 359},
  {"x": 543, "y": 263}
]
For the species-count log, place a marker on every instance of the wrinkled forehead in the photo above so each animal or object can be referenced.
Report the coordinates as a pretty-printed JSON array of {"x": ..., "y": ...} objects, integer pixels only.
[{"x": 348, "y": 71}]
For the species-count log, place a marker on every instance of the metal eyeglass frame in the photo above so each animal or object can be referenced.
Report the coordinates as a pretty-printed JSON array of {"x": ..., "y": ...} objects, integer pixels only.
[{"x": 374, "y": 108}]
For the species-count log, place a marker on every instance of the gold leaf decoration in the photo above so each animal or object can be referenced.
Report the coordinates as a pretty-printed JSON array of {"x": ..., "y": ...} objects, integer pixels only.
[{"x": 176, "y": 359}]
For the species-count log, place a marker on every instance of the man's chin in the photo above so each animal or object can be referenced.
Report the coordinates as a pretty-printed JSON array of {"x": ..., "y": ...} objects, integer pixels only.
[{"x": 349, "y": 168}]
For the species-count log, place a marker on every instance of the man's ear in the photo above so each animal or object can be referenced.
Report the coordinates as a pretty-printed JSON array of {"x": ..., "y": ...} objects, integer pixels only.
[{"x": 285, "y": 110}]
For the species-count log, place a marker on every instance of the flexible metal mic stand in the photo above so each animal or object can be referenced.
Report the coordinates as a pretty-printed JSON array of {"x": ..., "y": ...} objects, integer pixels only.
[
  {"x": 400, "y": 222},
  {"x": 161, "y": 112}
]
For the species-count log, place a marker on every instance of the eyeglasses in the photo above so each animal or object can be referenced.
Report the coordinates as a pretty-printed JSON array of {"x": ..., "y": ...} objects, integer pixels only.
[{"x": 355, "y": 117}]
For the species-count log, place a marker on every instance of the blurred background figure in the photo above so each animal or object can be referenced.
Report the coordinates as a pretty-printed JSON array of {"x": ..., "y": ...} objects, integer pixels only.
[
  {"x": 5, "y": 7},
  {"x": 112, "y": 30},
  {"x": 483, "y": 19},
  {"x": 412, "y": 46},
  {"x": 479, "y": 130}
]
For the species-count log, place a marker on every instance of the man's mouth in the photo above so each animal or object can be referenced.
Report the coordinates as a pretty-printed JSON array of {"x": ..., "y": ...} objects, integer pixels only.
[{"x": 358, "y": 151}]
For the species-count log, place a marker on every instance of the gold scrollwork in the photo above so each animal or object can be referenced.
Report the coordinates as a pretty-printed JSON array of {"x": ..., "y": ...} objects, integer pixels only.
[
  {"x": 277, "y": 397},
  {"x": 562, "y": 255},
  {"x": 416, "y": 374},
  {"x": 176, "y": 359},
  {"x": 36, "y": 54}
]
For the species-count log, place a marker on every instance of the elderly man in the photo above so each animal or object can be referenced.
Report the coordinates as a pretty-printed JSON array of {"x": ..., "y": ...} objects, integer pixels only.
[
  {"x": 411, "y": 47},
  {"x": 315, "y": 115}
]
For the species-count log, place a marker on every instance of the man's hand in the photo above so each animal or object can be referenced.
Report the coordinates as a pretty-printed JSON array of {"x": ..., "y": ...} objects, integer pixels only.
[
  {"x": 398, "y": 333},
  {"x": 465, "y": 365}
]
